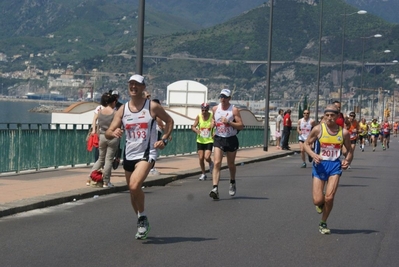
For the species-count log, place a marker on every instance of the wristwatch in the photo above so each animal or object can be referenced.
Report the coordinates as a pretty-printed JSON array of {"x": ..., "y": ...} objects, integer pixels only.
[{"x": 165, "y": 141}]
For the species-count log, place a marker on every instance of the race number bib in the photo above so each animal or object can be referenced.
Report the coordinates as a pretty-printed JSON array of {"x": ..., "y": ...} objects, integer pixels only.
[
  {"x": 205, "y": 132},
  {"x": 223, "y": 128},
  {"x": 136, "y": 131},
  {"x": 330, "y": 152}
]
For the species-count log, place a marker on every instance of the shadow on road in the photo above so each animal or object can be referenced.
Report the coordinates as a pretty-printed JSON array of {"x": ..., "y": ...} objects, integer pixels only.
[
  {"x": 172, "y": 240},
  {"x": 243, "y": 197},
  {"x": 363, "y": 177},
  {"x": 350, "y": 232},
  {"x": 352, "y": 185}
]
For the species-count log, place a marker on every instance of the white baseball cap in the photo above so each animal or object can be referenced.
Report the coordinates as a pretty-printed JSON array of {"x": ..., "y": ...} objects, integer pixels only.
[
  {"x": 225, "y": 92},
  {"x": 137, "y": 78}
]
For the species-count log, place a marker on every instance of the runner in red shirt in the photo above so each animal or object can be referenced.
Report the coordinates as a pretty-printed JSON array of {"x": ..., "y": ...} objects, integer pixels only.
[
  {"x": 386, "y": 132},
  {"x": 286, "y": 130}
]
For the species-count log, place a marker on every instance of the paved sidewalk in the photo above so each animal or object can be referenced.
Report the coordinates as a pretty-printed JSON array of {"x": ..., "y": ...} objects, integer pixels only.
[{"x": 33, "y": 190}]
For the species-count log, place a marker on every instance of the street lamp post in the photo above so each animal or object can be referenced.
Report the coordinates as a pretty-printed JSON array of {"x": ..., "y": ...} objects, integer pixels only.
[
  {"x": 375, "y": 80},
  {"x": 140, "y": 38},
  {"x": 393, "y": 97},
  {"x": 360, "y": 12},
  {"x": 267, "y": 93},
  {"x": 361, "y": 82},
  {"x": 319, "y": 63},
  {"x": 383, "y": 90}
]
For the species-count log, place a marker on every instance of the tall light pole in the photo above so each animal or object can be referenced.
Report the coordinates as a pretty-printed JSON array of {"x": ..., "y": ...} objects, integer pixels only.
[
  {"x": 318, "y": 67},
  {"x": 382, "y": 87},
  {"x": 267, "y": 93},
  {"x": 360, "y": 12},
  {"x": 140, "y": 38},
  {"x": 375, "y": 80},
  {"x": 393, "y": 97},
  {"x": 361, "y": 82}
]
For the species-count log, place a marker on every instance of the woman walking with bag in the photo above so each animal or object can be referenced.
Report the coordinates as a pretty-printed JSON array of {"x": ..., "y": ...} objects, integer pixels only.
[{"x": 107, "y": 147}]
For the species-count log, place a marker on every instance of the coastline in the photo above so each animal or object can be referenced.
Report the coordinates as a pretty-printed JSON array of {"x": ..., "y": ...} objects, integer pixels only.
[{"x": 43, "y": 106}]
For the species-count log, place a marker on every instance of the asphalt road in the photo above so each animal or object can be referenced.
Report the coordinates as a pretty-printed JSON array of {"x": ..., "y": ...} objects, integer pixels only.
[{"x": 270, "y": 222}]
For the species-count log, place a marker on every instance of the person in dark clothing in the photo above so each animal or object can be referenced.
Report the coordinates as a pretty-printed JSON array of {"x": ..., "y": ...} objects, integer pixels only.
[{"x": 287, "y": 123}]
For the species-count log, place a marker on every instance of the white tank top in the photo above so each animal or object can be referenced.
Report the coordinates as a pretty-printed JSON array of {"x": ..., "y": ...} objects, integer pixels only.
[
  {"x": 223, "y": 129},
  {"x": 306, "y": 127},
  {"x": 141, "y": 133}
]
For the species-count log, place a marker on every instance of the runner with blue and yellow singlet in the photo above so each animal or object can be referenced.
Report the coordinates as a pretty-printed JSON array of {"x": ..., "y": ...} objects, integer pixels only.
[
  {"x": 203, "y": 127},
  {"x": 375, "y": 132},
  {"x": 329, "y": 138}
]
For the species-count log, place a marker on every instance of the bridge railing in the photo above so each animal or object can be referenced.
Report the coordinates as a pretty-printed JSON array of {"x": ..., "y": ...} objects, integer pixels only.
[{"x": 40, "y": 146}]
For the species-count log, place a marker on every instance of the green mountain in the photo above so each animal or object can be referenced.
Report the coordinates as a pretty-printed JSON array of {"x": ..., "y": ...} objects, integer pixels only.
[
  {"x": 295, "y": 32},
  {"x": 205, "y": 12},
  {"x": 295, "y": 38},
  {"x": 92, "y": 34},
  {"x": 68, "y": 31}
]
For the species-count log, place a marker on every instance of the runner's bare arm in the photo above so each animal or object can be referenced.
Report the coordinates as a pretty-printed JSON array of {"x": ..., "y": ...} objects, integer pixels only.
[
  {"x": 307, "y": 145},
  {"x": 347, "y": 144},
  {"x": 114, "y": 130},
  {"x": 237, "y": 124},
  {"x": 298, "y": 127},
  {"x": 194, "y": 126},
  {"x": 158, "y": 111}
]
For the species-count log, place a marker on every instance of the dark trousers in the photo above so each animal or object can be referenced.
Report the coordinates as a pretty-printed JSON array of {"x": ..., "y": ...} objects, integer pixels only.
[{"x": 286, "y": 136}]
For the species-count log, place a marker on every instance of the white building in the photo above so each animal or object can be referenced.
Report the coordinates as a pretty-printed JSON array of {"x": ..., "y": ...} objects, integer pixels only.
[{"x": 184, "y": 99}]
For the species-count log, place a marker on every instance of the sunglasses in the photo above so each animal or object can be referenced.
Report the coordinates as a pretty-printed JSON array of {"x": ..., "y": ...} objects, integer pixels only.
[
  {"x": 305, "y": 113},
  {"x": 223, "y": 96}
]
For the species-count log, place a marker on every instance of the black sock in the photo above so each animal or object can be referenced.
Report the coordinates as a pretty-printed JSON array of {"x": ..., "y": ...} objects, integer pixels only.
[
  {"x": 232, "y": 181},
  {"x": 215, "y": 186}
]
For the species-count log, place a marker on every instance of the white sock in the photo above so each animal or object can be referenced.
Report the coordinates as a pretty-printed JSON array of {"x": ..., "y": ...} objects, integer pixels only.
[{"x": 139, "y": 214}]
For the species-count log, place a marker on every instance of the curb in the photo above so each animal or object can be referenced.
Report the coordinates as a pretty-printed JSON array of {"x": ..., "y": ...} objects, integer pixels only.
[{"x": 13, "y": 208}]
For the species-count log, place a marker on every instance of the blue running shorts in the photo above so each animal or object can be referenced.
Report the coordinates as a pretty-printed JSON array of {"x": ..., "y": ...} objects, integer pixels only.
[{"x": 325, "y": 169}]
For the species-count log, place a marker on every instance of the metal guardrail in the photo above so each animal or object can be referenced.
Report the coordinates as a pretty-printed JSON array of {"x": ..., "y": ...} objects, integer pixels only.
[{"x": 40, "y": 146}]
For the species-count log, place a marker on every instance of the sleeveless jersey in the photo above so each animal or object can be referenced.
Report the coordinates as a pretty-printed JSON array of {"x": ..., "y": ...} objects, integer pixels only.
[
  {"x": 305, "y": 127},
  {"x": 224, "y": 129},
  {"x": 363, "y": 128},
  {"x": 141, "y": 133},
  {"x": 385, "y": 127},
  {"x": 205, "y": 137},
  {"x": 104, "y": 121},
  {"x": 374, "y": 128},
  {"x": 353, "y": 130},
  {"x": 328, "y": 145}
]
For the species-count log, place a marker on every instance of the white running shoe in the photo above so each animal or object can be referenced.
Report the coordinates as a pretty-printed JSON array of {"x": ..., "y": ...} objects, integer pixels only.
[
  {"x": 108, "y": 185},
  {"x": 214, "y": 193},
  {"x": 202, "y": 177},
  {"x": 154, "y": 172},
  {"x": 232, "y": 189}
]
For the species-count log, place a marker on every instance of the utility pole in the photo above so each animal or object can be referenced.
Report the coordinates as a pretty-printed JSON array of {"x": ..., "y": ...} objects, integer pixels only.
[
  {"x": 140, "y": 38},
  {"x": 267, "y": 93}
]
